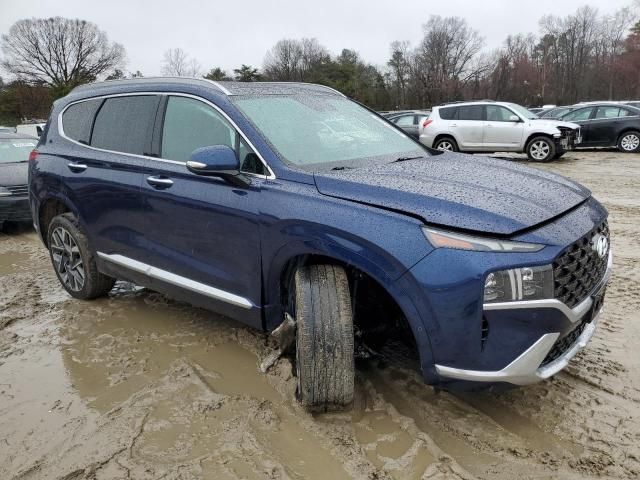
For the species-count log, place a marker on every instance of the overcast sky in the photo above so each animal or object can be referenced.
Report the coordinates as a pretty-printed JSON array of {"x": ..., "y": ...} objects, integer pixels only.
[{"x": 232, "y": 32}]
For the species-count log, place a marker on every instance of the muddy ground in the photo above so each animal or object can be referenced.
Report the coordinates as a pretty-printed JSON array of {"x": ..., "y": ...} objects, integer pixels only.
[{"x": 138, "y": 386}]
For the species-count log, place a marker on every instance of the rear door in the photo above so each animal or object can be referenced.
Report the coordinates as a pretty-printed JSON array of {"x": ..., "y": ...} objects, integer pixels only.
[
  {"x": 469, "y": 127},
  {"x": 104, "y": 176},
  {"x": 582, "y": 117},
  {"x": 606, "y": 125},
  {"x": 202, "y": 234},
  {"x": 500, "y": 132}
]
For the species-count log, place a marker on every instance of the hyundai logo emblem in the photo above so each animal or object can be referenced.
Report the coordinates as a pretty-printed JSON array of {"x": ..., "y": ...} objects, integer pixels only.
[{"x": 600, "y": 245}]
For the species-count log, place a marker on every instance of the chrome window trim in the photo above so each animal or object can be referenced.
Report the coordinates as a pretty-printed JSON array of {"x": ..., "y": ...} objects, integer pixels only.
[
  {"x": 270, "y": 176},
  {"x": 177, "y": 280},
  {"x": 573, "y": 314}
]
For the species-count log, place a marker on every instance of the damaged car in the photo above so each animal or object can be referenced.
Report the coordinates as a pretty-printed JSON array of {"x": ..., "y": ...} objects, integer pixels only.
[{"x": 289, "y": 205}]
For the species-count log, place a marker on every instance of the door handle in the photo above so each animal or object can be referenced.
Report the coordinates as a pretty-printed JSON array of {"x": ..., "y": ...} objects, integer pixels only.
[
  {"x": 160, "y": 183},
  {"x": 77, "y": 167},
  {"x": 453, "y": 125}
]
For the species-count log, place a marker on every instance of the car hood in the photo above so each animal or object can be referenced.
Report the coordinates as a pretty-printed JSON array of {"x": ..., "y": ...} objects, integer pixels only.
[
  {"x": 459, "y": 191},
  {"x": 549, "y": 123},
  {"x": 13, "y": 173}
]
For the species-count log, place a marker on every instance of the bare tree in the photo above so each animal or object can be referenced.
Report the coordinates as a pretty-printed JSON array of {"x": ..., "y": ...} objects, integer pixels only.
[
  {"x": 294, "y": 60},
  {"x": 59, "y": 52},
  {"x": 177, "y": 63},
  {"x": 400, "y": 66}
]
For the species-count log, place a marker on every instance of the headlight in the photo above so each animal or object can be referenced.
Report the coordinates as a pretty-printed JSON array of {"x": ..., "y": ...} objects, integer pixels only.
[
  {"x": 4, "y": 192},
  {"x": 444, "y": 239},
  {"x": 517, "y": 284}
]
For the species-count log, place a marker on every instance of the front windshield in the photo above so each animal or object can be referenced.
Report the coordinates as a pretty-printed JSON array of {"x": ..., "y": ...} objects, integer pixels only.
[
  {"x": 320, "y": 131},
  {"x": 14, "y": 150},
  {"x": 523, "y": 112}
]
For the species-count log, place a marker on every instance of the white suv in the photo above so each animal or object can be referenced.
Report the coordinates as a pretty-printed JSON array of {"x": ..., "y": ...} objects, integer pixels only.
[{"x": 488, "y": 126}]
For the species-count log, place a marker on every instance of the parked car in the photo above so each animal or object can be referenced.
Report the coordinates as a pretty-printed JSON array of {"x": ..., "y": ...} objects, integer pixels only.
[
  {"x": 7, "y": 129},
  {"x": 608, "y": 125},
  {"x": 14, "y": 157},
  {"x": 33, "y": 129},
  {"x": 239, "y": 198},
  {"x": 410, "y": 122},
  {"x": 488, "y": 126}
]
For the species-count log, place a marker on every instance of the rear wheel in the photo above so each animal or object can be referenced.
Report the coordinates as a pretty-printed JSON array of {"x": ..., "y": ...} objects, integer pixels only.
[
  {"x": 324, "y": 337},
  {"x": 73, "y": 260},
  {"x": 541, "y": 149},
  {"x": 629, "y": 142},
  {"x": 446, "y": 144}
]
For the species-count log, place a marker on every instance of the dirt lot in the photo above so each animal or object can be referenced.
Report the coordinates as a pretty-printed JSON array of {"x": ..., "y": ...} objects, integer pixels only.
[{"x": 138, "y": 386}]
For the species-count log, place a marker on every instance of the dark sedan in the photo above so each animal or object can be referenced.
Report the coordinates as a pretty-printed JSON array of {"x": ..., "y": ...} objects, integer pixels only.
[
  {"x": 608, "y": 125},
  {"x": 14, "y": 158}
]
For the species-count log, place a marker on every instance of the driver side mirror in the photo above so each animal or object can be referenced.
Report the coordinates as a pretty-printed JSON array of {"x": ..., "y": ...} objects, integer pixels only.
[
  {"x": 217, "y": 161},
  {"x": 514, "y": 118}
]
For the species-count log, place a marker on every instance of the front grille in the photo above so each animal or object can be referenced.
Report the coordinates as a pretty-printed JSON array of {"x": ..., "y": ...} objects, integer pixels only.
[
  {"x": 578, "y": 269},
  {"x": 564, "y": 344},
  {"x": 18, "y": 190}
]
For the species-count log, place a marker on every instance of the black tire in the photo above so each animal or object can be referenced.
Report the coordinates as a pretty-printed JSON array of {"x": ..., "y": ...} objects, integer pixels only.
[
  {"x": 324, "y": 338},
  {"x": 629, "y": 142},
  {"x": 446, "y": 144},
  {"x": 91, "y": 283},
  {"x": 541, "y": 149}
]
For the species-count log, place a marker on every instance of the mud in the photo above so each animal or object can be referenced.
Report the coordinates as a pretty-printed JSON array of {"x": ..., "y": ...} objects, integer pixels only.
[{"x": 139, "y": 386}]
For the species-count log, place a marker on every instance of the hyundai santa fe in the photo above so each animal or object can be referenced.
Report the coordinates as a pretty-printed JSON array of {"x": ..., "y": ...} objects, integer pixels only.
[{"x": 288, "y": 204}]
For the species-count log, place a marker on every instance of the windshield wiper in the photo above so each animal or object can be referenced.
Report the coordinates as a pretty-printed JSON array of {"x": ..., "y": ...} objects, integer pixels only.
[
  {"x": 341, "y": 168},
  {"x": 404, "y": 159}
]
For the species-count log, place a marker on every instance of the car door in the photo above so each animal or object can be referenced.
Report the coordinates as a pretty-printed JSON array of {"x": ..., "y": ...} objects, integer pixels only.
[
  {"x": 500, "y": 131},
  {"x": 202, "y": 234},
  {"x": 582, "y": 117},
  {"x": 468, "y": 128},
  {"x": 408, "y": 123},
  {"x": 606, "y": 125},
  {"x": 105, "y": 172}
]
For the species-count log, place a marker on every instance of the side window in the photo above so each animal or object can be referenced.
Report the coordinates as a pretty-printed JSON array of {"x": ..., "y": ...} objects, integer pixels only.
[
  {"x": 579, "y": 115},
  {"x": 404, "y": 121},
  {"x": 609, "y": 112},
  {"x": 190, "y": 124},
  {"x": 470, "y": 112},
  {"x": 497, "y": 113},
  {"x": 450, "y": 113},
  {"x": 124, "y": 124},
  {"x": 249, "y": 161},
  {"x": 77, "y": 120}
]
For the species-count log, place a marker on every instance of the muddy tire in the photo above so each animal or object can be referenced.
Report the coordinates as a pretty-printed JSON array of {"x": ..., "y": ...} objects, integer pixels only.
[
  {"x": 446, "y": 144},
  {"x": 324, "y": 338},
  {"x": 629, "y": 142},
  {"x": 73, "y": 260},
  {"x": 541, "y": 149}
]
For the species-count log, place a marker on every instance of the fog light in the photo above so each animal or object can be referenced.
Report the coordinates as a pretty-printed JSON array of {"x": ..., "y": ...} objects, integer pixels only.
[{"x": 527, "y": 283}]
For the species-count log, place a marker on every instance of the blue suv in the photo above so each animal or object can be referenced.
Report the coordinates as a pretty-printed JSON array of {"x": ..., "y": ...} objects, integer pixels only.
[{"x": 282, "y": 204}]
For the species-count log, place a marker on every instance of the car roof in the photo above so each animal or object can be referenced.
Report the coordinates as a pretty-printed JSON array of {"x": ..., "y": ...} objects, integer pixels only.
[
  {"x": 229, "y": 88},
  {"x": 473, "y": 102},
  {"x": 10, "y": 136}
]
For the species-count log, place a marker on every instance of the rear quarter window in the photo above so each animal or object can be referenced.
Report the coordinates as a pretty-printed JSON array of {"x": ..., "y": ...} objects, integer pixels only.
[
  {"x": 77, "y": 120},
  {"x": 124, "y": 124},
  {"x": 449, "y": 113},
  {"x": 470, "y": 112}
]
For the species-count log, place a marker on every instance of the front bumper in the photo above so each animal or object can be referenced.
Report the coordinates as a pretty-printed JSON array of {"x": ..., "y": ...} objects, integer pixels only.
[
  {"x": 14, "y": 209},
  {"x": 528, "y": 368}
]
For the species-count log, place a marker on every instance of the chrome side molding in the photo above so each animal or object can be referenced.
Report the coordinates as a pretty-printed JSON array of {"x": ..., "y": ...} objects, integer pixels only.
[{"x": 177, "y": 280}]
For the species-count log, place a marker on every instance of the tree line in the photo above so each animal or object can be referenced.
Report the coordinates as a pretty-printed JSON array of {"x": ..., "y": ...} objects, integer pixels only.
[{"x": 583, "y": 56}]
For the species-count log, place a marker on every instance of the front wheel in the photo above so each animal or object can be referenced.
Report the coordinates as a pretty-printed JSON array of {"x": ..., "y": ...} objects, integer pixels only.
[
  {"x": 73, "y": 261},
  {"x": 541, "y": 149},
  {"x": 324, "y": 338},
  {"x": 446, "y": 144},
  {"x": 629, "y": 142}
]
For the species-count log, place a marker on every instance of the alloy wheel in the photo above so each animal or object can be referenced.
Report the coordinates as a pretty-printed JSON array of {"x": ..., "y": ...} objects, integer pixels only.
[
  {"x": 445, "y": 146},
  {"x": 630, "y": 142},
  {"x": 67, "y": 259},
  {"x": 540, "y": 150}
]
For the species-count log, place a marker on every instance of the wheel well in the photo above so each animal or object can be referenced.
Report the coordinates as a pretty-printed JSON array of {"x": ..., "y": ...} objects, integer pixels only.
[
  {"x": 50, "y": 209},
  {"x": 444, "y": 135},
  {"x": 534, "y": 135},
  {"x": 377, "y": 316},
  {"x": 627, "y": 130}
]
